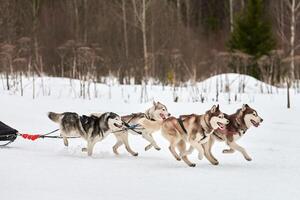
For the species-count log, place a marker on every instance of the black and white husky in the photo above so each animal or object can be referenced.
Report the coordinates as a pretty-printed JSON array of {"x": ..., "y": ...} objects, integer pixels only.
[{"x": 92, "y": 128}]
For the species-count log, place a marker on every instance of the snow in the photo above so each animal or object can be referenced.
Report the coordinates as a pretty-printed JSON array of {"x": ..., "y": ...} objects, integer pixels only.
[{"x": 45, "y": 169}]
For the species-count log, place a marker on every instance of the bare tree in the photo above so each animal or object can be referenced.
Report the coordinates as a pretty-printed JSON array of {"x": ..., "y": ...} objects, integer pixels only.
[
  {"x": 36, "y": 5},
  {"x": 231, "y": 14},
  {"x": 124, "y": 12},
  {"x": 140, "y": 11}
]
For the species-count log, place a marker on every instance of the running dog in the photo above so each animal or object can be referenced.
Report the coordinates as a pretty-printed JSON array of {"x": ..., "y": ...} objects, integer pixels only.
[
  {"x": 194, "y": 129},
  {"x": 92, "y": 128},
  {"x": 240, "y": 122},
  {"x": 147, "y": 123}
]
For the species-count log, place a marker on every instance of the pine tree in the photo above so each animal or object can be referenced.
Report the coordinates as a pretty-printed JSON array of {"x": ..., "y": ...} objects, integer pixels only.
[{"x": 252, "y": 31}]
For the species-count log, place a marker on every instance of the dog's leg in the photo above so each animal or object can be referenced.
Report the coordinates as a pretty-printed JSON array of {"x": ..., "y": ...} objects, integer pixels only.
[
  {"x": 126, "y": 143},
  {"x": 188, "y": 152},
  {"x": 199, "y": 147},
  {"x": 149, "y": 146},
  {"x": 118, "y": 143},
  {"x": 66, "y": 143},
  {"x": 182, "y": 148},
  {"x": 64, "y": 136},
  {"x": 150, "y": 139},
  {"x": 173, "y": 151},
  {"x": 237, "y": 147},
  {"x": 90, "y": 147},
  {"x": 201, "y": 152},
  {"x": 207, "y": 152},
  {"x": 211, "y": 143},
  {"x": 193, "y": 140},
  {"x": 116, "y": 146}
]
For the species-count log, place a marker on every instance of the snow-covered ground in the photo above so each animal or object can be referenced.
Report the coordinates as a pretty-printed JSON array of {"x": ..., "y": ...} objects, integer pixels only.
[{"x": 45, "y": 169}]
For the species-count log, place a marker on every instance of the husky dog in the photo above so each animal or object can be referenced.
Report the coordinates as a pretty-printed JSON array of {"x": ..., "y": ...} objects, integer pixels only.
[
  {"x": 194, "y": 129},
  {"x": 92, "y": 128},
  {"x": 240, "y": 122},
  {"x": 148, "y": 123}
]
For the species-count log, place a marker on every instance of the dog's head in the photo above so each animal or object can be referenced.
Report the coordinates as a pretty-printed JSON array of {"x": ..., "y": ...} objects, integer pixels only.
[
  {"x": 250, "y": 116},
  {"x": 158, "y": 111},
  {"x": 216, "y": 118},
  {"x": 114, "y": 121}
]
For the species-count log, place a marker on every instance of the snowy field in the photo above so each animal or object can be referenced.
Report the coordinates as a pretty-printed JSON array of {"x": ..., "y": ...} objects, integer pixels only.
[{"x": 46, "y": 170}]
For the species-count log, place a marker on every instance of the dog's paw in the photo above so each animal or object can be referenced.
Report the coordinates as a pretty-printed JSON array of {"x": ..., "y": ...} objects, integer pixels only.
[
  {"x": 66, "y": 143},
  {"x": 179, "y": 159},
  {"x": 215, "y": 162},
  {"x": 248, "y": 158},
  {"x": 115, "y": 151},
  {"x": 228, "y": 151},
  {"x": 84, "y": 149},
  {"x": 157, "y": 148},
  {"x": 135, "y": 154},
  {"x": 147, "y": 148},
  {"x": 192, "y": 165}
]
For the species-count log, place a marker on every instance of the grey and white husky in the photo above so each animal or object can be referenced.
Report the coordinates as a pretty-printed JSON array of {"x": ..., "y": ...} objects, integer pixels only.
[
  {"x": 193, "y": 129},
  {"x": 148, "y": 123},
  {"x": 92, "y": 128},
  {"x": 240, "y": 122}
]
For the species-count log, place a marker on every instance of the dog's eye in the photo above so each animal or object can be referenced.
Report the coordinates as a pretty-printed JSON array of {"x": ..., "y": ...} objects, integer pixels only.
[{"x": 254, "y": 114}]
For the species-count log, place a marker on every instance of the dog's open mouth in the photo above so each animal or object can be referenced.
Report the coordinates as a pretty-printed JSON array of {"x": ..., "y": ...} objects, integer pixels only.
[
  {"x": 162, "y": 116},
  {"x": 221, "y": 126},
  {"x": 118, "y": 125},
  {"x": 254, "y": 123}
]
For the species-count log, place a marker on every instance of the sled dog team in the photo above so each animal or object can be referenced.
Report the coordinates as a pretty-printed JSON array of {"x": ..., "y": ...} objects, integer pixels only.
[{"x": 198, "y": 131}]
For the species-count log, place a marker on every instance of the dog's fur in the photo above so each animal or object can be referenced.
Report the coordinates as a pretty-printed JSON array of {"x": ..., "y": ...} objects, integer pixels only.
[
  {"x": 239, "y": 123},
  {"x": 194, "y": 129},
  {"x": 149, "y": 122},
  {"x": 92, "y": 128}
]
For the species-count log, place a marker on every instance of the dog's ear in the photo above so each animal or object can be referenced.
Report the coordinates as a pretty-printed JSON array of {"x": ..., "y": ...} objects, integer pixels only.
[
  {"x": 244, "y": 107},
  {"x": 218, "y": 108},
  {"x": 154, "y": 103},
  {"x": 213, "y": 109}
]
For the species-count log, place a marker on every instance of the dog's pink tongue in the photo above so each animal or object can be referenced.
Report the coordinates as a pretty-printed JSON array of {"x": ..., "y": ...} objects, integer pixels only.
[{"x": 221, "y": 127}]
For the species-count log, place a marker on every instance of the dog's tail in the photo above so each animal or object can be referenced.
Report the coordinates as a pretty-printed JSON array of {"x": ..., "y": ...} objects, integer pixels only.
[{"x": 56, "y": 117}]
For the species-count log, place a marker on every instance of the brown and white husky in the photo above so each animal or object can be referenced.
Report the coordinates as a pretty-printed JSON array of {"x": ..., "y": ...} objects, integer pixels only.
[
  {"x": 147, "y": 123},
  {"x": 193, "y": 129},
  {"x": 240, "y": 122}
]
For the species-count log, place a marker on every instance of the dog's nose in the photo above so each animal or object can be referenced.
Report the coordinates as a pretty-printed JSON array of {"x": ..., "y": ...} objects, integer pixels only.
[
  {"x": 169, "y": 114},
  {"x": 261, "y": 120}
]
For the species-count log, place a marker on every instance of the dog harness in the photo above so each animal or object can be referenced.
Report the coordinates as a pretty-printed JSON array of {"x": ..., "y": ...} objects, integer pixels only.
[{"x": 180, "y": 122}]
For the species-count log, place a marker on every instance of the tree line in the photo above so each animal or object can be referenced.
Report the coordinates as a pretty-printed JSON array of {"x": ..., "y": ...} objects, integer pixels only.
[{"x": 170, "y": 41}]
